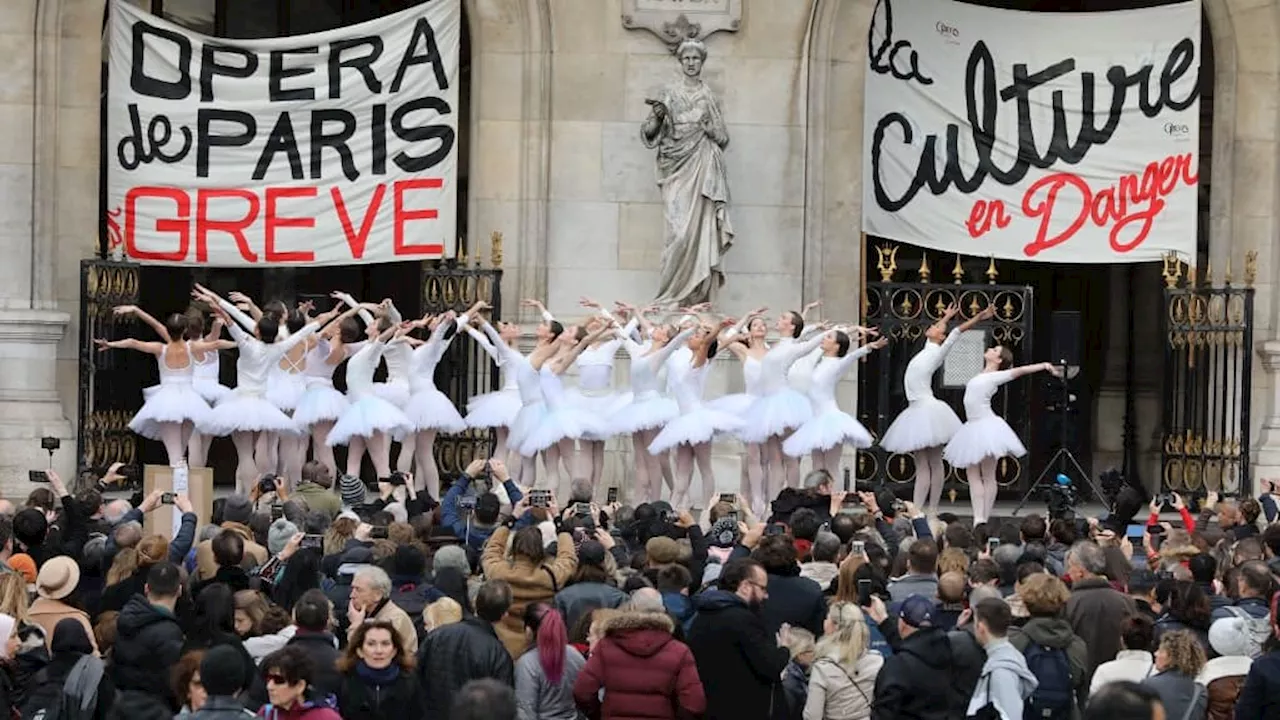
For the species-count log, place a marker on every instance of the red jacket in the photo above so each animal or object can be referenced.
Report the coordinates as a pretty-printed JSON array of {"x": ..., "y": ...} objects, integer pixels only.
[{"x": 646, "y": 674}]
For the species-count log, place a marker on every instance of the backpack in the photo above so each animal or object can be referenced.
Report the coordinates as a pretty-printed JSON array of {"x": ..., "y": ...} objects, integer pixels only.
[
  {"x": 75, "y": 699},
  {"x": 1054, "y": 698}
]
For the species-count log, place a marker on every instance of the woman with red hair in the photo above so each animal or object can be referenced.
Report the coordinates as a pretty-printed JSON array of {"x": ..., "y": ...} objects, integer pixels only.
[{"x": 546, "y": 672}]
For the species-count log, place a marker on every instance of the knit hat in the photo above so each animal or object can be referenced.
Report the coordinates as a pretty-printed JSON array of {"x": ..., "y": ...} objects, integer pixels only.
[
  {"x": 724, "y": 533},
  {"x": 916, "y": 611},
  {"x": 222, "y": 671},
  {"x": 279, "y": 535},
  {"x": 662, "y": 550},
  {"x": 1238, "y": 637},
  {"x": 591, "y": 553},
  {"x": 351, "y": 488},
  {"x": 451, "y": 556},
  {"x": 238, "y": 509},
  {"x": 24, "y": 566},
  {"x": 58, "y": 578}
]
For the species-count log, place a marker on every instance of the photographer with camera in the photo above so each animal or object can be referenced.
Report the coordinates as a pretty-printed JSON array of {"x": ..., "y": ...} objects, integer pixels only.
[
  {"x": 397, "y": 489},
  {"x": 42, "y": 534},
  {"x": 475, "y": 527}
]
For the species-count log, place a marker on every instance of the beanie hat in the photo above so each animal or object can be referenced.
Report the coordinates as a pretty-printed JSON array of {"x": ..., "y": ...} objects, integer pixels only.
[
  {"x": 1238, "y": 637},
  {"x": 662, "y": 551},
  {"x": 238, "y": 509},
  {"x": 351, "y": 488},
  {"x": 592, "y": 553},
  {"x": 222, "y": 671},
  {"x": 25, "y": 566},
  {"x": 724, "y": 533},
  {"x": 916, "y": 611},
  {"x": 279, "y": 535}
]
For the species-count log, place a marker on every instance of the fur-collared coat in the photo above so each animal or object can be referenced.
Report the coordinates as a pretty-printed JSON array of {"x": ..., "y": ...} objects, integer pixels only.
[{"x": 644, "y": 672}]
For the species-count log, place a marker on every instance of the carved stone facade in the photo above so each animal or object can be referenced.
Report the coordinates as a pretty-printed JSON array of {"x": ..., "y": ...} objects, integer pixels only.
[{"x": 558, "y": 90}]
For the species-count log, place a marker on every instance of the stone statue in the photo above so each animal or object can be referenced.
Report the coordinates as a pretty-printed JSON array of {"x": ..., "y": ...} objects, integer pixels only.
[{"x": 687, "y": 126}]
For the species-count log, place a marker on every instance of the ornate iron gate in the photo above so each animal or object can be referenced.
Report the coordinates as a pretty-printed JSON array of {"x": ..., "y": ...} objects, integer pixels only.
[
  {"x": 109, "y": 394},
  {"x": 466, "y": 369},
  {"x": 902, "y": 310},
  {"x": 1208, "y": 373}
]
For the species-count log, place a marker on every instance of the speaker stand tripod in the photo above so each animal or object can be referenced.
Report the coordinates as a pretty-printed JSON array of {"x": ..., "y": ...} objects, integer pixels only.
[{"x": 1063, "y": 459}]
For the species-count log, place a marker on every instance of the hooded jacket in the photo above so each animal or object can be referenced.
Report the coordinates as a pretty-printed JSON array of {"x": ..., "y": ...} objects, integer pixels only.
[
  {"x": 907, "y": 685},
  {"x": 1057, "y": 633},
  {"x": 148, "y": 645},
  {"x": 644, "y": 672},
  {"x": 1005, "y": 682},
  {"x": 738, "y": 660}
]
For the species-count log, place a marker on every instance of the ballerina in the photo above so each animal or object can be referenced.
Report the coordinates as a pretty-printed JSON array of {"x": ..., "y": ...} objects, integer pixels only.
[
  {"x": 779, "y": 409},
  {"x": 825, "y": 434},
  {"x": 532, "y": 407},
  {"x": 173, "y": 408},
  {"x": 746, "y": 341},
  {"x": 497, "y": 410},
  {"x": 595, "y": 391},
  {"x": 246, "y": 415},
  {"x": 691, "y": 433},
  {"x": 370, "y": 421},
  {"x": 927, "y": 423},
  {"x": 649, "y": 410},
  {"x": 985, "y": 437},
  {"x": 430, "y": 410}
]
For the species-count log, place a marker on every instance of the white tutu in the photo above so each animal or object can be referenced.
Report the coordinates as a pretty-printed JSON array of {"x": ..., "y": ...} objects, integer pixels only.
[
  {"x": 603, "y": 406},
  {"x": 285, "y": 390},
  {"x": 173, "y": 402},
  {"x": 977, "y": 440},
  {"x": 924, "y": 424},
  {"x": 526, "y": 420},
  {"x": 556, "y": 425},
  {"x": 210, "y": 389},
  {"x": 397, "y": 393},
  {"x": 430, "y": 409},
  {"x": 493, "y": 409},
  {"x": 643, "y": 414},
  {"x": 775, "y": 414},
  {"x": 737, "y": 404},
  {"x": 366, "y": 416},
  {"x": 825, "y": 431},
  {"x": 695, "y": 427},
  {"x": 320, "y": 403},
  {"x": 246, "y": 413}
]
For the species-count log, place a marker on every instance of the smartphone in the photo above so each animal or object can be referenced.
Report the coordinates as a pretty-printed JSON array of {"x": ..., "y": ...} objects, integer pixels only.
[
  {"x": 166, "y": 499},
  {"x": 858, "y": 548},
  {"x": 864, "y": 593},
  {"x": 732, "y": 515},
  {"x": 612, "y": 497},
  {"x": 729, "y": 498},
  {"x": 312, "y": 541},
  {"x": 38, "y": 476},
  {"x": 992, "y": 544},
  {"x": 379, "y": 532},
  {"x": 540, "y": 498},
  {"x": 582, "y": 509},
  {"x": 467, "y": 502},
  {"x": 277, "y": 511},
  {"x": 775, "y": 529}
]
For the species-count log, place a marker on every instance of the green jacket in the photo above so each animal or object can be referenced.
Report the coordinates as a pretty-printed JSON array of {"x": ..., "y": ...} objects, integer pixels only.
[{"x": 319, "y": 499}]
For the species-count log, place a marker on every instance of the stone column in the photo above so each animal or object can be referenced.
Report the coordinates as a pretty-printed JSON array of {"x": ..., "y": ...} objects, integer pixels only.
[{"x": 1267, "y": 443}]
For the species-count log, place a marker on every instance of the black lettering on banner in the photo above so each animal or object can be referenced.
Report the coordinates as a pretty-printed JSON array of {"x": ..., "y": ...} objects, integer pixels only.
[
  {"x": 280, "y": 73},
  {"x": 379, "y": 132},
  {"x": 443, "y": 133},
  {"x": 142, "y": 83},
  {"x": 281, "y": 140},
  {"x": 430, "y": 54},
  {"x": 362, "y": 64},
  {"x": 884, "y": 57},
  {"x": 206, "y": 139},
  {"x": 135, "y": 150},
  {"x": 982, "y": 101},
  {"x": 338, "y": 141},
  {"x": 210, "y": 66}
]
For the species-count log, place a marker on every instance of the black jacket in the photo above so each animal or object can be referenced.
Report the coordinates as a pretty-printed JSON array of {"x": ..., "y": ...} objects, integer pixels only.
[
  {"x": 221, "y": 707},
  {"x": 795, "y": 601},
  {"x": 320, "y": 647},
  {"x": 967, "y": 659},
  {"x": 1260, "y": 697},
  {"x": 455, "y": 654},
  {"x": 907, "y": 686},
  {"x": 55, "y": 675},
  {"x": 360, "y": 700},
  {"x": 148, "y": 645},
  {"x": 738, "y": 658}
]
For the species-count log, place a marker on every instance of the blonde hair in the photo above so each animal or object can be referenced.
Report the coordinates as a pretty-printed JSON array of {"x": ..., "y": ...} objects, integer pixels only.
[
  {"x": 1043, "y": 594},
  {"x": 13, "y": 596},
  {"x": 799, "y": 642},
  {"x": 150, "y": 550},
  {"x": 953, "y": 560},
  {"x": 445, "y": 611},
  {"x": 851, "y": 638},
  {"x": 336, "y": 537},
  {"x": 1184, "y": 651}
]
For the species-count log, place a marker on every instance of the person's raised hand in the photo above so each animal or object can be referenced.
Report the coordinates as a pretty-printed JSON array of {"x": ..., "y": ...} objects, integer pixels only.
[
  {"x": 880, "y": 344},
  {"x": 876, "y": 610},
  {"x": 752, "y": 536},
  {"x": 152, "y": 501},
  {"x": 1178, "y": 503},
  {"x": 475, "y": 467},
  {"x": 355, "y": 613},
  {"x": 183, "y": 503},
  {"x": 605, "y": 539},
  {"x": 499, "y": 470}
]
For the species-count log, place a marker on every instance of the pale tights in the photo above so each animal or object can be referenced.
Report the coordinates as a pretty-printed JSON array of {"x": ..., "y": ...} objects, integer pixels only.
[
  {"x": 246, "y": 468},
  {"x": 686, "y": 457},
  {"x": 379, "y": 447},
  {"x": 828, "y": 459},
  {"x": 293, "y": 454},
  {"x": 590, "y": 461},
  {"x": 757, "y": 475},
  {"x": 930, "y": 477},
  {"x": 198, "y": 449},
  {"x": 419, "y": 449},
  {"x": 175, "y": 437},
  {"x": 982, "y": 489},
  {"x": 648, "y": 467},
  {"x": 780, "y": 468},
  {"x": 320, "y": 446},
  {"x": 556, "y": 458}
]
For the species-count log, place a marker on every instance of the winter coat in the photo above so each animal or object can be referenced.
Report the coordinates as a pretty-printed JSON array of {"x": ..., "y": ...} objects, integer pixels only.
[
  {"x": 406, "y": 632},
  {"x": 912, "y": 584},
  {"x": 1005, "y": 683},
  {"x": 967, "y": 660},
  {"x": 837, "y": 694},
  {"x": 254, "y": 554},
  {"x": 359, "y": 699},
  {"x": 1260, "y": 696},
  {"x": 1129, "y": 665},
  {"x": 148, "y": 645},
  {"x": 579, "y": 598},
  {"x": 46, "y": 613},
  {"x": 529, "y": 583},
  {"x": 322, "y": 648},
  {"x": 1096, "y": 611},
  {"x": 1056, "y": 633},
  {"x": 907, "y": 686},
  {"x": 823, "y": 573},
  {"x": 644, "y": 672},
  {"x": 794, "y": 601},
  {"x": 220, "y": 707},
  {"x": 1178, "y": 693},
  {"x": 536, "y": 697},
  {"x": 795, "y": 687},
  {"x": 1223, "y": 678},
  {"x": 738, "y": 659},
  {"x": 300, "y": 711},
  {"x": 455, "y": 654}
]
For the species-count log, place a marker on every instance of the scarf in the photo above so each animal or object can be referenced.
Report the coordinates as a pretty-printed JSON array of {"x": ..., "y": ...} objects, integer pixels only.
[{"x": 381, "y": 678}]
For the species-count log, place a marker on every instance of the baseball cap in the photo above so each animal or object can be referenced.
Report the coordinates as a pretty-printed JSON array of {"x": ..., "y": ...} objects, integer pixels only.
[{"x": 917, "y": 611}]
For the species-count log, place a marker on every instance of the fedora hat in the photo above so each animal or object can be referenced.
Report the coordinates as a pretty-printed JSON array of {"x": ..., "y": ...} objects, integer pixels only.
[{"x": 58, "y": 578}]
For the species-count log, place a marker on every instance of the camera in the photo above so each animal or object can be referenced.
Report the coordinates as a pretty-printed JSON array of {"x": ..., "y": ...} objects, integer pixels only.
[
  {"x": 267, "y": 484},
  {"x": 166, "y": 498},
  {"x": 37, "y": 476},
  {"x": 50, "y": 443},
  {"x": 311, "y": 541},
  {"x": 582, "y": 509},
  {"x": 378, "y": 532},
  {"x": 397, "y": 478},
  {"x": 1062, "y": 499},
  {"x": 612, "y": 497},
  {"x": 540, "y": 498},
  {"x": 775, "y": 529},
  {"x": 467, "y": 502}
]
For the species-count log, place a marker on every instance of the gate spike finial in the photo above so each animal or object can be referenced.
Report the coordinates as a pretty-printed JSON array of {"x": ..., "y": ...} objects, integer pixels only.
[
  {"x": 992, "y": 273},
  {"x": 924, "y": 268},
  {"x": 1208, "y": 274},
  {"x": 958, "y": 272},
  {"x": 1226, "y": 276}
]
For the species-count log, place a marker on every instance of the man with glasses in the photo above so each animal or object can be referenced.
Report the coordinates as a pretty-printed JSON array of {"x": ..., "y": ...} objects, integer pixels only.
[{"x": 739, "y": 662}]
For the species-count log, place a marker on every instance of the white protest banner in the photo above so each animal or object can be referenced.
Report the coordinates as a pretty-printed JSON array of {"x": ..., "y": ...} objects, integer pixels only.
[
  {"x": 332, "y": 148},
  {"x": 1056, "y": 137}
]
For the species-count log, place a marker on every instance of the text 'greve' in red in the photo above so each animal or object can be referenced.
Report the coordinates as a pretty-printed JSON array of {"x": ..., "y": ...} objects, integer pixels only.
[
  {"x": 356, "y": 227},
  {"x": 1135, "y": 198}
]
